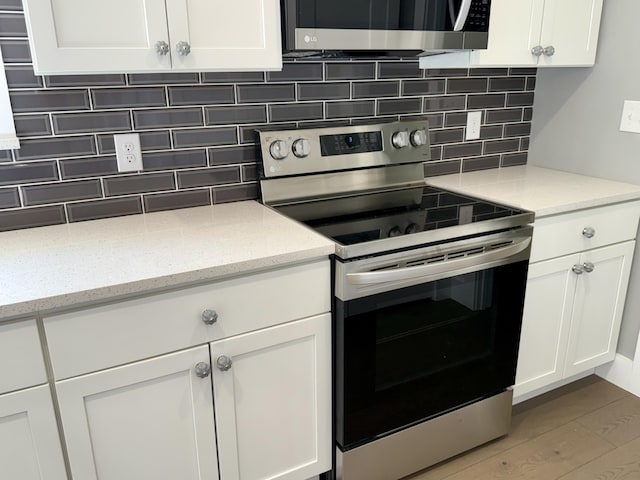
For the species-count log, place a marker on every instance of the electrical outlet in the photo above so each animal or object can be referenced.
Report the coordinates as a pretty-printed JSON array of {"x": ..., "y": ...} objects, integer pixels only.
[
  {"x": 474, "y": 120},
  {"x": 128, "y": 152},
  {"x": 630, "y": 121}
]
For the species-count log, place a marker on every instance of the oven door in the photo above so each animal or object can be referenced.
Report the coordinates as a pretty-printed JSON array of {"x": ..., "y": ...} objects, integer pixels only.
[
  {"x": 447, "y": 339},
  {"x": 386, "y": 24}
]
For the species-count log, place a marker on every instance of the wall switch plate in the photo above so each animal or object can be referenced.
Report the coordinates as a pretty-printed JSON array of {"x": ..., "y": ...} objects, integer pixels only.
[
  {"x": 474, "y": 120},
  {"x": 128, "y": 153},
  {"x": 630, "y": 117}
]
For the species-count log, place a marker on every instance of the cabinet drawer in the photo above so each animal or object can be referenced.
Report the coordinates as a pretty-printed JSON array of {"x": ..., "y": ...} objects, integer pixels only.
[
  {"x": 563, "y": 234},
  {"x": 21, "y": 363},
  {"x": 97, "y": 338}
]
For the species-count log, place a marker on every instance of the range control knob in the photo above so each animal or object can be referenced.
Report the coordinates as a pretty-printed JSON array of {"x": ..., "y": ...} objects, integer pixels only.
[
  {"x": 395, "y": 232},
  {"x": 301, "y": 148},
  {"x": 418, "y": 138},
  {"x": 279, "y": 150},
  {"x": 400, "y": 139},
  {"x": 411, "y": 228}
]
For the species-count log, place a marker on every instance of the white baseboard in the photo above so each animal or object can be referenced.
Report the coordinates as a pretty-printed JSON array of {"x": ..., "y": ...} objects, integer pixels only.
[{"x": 621, "y": 372}]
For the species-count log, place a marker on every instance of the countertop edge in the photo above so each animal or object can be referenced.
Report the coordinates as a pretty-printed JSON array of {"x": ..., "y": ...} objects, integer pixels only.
[
  {"x": 505, "y": 187},
  {"x": 122, "y": 291}
]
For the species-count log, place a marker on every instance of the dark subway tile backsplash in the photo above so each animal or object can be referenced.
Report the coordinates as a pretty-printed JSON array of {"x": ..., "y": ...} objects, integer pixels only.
[
  {"x": 15, "y": 51},
  {"x": 113, "y": 207},
  {"x": 198, "y": 129},
  {"x": 9, "y": 198}
]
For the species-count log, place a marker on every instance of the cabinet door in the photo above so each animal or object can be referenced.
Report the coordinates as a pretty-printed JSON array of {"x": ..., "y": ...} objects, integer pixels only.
[
  {"x": 514, "y": 30},
  {"x": 29, "y": 441},
  {"x": 223, "y": 35},
  {"x": 273, "y": 405},
  {"x": 545, "y": 324},
  {"x": 152, "y": 419},
  {"x": 571, "y": 27},
  {"x": 70, "y": 36},
  {"x": 598, "y": 306}
]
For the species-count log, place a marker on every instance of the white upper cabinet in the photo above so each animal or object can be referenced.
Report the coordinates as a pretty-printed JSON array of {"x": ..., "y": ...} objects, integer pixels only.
[
  {"x": 533, "y": 33},
  {"x": 237, "y": 35},
  {"x": 92, "y": 36}
]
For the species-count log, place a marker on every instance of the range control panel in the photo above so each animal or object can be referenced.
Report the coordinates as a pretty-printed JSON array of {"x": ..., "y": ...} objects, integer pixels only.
[{"x": 304, "y": 151}]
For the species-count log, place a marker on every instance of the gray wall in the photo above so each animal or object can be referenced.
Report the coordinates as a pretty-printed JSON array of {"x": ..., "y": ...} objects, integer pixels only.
[
  {"x": 197, "y": 129},
  {"x": 577, "y": 118}
]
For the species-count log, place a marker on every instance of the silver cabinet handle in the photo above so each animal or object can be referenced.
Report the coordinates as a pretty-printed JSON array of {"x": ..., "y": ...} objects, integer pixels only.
[
  {"x": 209, "y": 316},
  {"x": 183, "y": 48},
  {"x": 161, "y": 47},
  {"x": 549, "y": 51},
  {"x": 588, "y": 267},
  {"x": 202, "y": 369},
  {"x": 537, "y": 51},
  {"x": 588, "y": 232},
  {"x": 577, "y": 269},
  {"x": 223, "y": 363}
]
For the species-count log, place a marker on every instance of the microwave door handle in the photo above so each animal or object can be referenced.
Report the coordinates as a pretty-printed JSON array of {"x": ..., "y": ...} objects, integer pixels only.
[
  {"x": 462, "y": 15},
  {"x": 412, "y": 273}
]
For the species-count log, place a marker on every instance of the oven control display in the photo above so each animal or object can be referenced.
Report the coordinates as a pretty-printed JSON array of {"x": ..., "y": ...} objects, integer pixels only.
[{"x": 344, "y": 144}]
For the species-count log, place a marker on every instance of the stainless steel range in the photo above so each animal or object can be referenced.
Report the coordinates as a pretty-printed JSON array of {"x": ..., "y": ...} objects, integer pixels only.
[{"x": 428, "y": 293}]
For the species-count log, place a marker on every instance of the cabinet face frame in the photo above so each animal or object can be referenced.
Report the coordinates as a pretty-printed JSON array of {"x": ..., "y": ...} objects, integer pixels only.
[{"x": 32, "y": 410}]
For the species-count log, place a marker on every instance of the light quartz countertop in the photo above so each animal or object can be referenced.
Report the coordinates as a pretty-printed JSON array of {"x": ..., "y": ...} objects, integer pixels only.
[
  {"x": 50, "y": 268},
  {"x": 541, "y": 190}
]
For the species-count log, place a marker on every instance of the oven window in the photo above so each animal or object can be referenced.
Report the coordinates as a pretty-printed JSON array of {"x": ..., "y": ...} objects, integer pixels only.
[
  {"x": 434, "y": 15},
  {"x": 410, "y": 354}
]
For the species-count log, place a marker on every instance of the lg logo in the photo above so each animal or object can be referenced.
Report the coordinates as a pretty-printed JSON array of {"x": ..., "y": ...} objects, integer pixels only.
[{"x": 310, "y": 38}]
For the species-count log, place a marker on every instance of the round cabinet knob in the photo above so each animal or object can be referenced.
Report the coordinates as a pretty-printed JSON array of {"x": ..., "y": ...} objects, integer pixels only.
[
  {"x": 301, "y": 148},
  {"x": 537, "y": 51},
  {"x": 400, "y": 139},
  {"x": 395, "y": 232},
  {"x": 418, "y": 138},
  {"x": 162, "y": 48},
  {"x": 209, "y": 316},
  {"x": 588, "y": 267},
  {"x": 279, "y": 150},
  {"x": 202, "y": 369},
  {"x": 223, "y": 363},
  {"x": 577, "y": 269},
  {"x": 183, "y": 48},
  {"x": 549, "y": 51},
  {"x": 589, "y": 232}
]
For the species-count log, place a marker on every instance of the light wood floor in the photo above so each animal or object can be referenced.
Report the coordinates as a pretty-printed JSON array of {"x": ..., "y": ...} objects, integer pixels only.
[{"x": 589, "y": 430}]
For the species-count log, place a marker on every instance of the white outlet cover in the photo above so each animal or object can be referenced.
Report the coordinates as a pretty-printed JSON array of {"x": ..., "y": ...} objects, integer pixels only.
[
  {"x": 128, "y": 152},
  {"x": 630, "y": 121},
  {"x": 474, "y": 122}
]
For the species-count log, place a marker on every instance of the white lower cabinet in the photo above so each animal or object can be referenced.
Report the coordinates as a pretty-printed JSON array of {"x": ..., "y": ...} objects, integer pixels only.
[
  {"x": 151, "y": 419},
  {"x": 241, "y": 391},
  {"x": 155, "y": 418},
  {"x": 29, "y": 441},
  {"x": 597, "y": 308},
  {"x": 545, "y": 323},
  {"x": 574, "y": 302},
  {"x": 272, "y": 392}
]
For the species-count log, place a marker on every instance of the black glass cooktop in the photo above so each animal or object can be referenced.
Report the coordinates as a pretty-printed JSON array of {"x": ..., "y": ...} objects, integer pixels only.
[{"x": 357, "y": 219}]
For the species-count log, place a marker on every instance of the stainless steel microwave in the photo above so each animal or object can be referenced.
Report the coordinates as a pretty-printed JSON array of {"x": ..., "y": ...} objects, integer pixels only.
[{"x": 385, "y": 25}]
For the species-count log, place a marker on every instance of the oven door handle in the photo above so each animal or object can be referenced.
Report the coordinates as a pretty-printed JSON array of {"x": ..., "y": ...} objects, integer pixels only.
[{"x": 410, "y": 273}]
